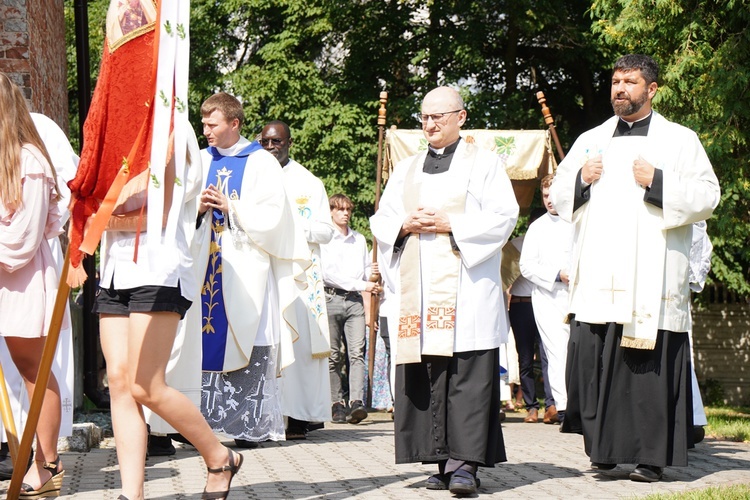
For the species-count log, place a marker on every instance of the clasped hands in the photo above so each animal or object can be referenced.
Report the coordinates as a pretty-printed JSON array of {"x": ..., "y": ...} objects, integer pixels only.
[
  {"x": 426, "y": 220},
  {"x": 212, "y": 198},
  {"x": 643, "y": 171}
]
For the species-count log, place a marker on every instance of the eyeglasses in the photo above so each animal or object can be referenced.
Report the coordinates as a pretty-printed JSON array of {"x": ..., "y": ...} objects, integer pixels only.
[
  {"x": 266, "y": 142},
  {"x": 437, "y": 117}
]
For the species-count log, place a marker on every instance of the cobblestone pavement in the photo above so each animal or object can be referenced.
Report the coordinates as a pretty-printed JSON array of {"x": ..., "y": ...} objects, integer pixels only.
[{"x": 345, "y": 461}]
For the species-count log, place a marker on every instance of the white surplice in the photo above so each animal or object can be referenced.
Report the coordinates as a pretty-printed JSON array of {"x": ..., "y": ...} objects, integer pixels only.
[
  {"x": 480, "y": 232},
  {"x": 635, "y": 271},
  {"x": 306, "y": 384}
]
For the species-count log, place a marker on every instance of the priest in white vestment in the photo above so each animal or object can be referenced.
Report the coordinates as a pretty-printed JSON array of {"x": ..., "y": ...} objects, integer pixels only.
[
  {"x": 632, "y": 186},
  {"x": 442, "y": 222},
  {"x": 305, "y": 384},
  {"x": 252, "y": 256}
]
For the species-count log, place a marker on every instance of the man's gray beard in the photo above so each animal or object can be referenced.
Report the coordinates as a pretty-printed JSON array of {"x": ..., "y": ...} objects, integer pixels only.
[{"x": 629, "y": 108}]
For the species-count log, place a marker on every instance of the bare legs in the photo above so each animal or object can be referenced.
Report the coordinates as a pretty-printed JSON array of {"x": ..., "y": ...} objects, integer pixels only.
[
  {"x": 27, "y": 354},
  {"x": 137, "y": 350}
]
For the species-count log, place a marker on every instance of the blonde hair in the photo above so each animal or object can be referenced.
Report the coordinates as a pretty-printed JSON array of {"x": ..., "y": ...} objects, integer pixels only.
[{"x": 16, "y": 129}]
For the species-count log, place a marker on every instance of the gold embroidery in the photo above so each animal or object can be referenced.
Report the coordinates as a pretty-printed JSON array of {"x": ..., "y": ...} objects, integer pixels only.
[{"x": 612, "y": 289}]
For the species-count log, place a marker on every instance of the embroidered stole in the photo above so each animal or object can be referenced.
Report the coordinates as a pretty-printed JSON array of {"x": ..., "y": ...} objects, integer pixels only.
[
  {"x": 430, "y": 330},
  {"x": 314, "y": 299},
  {"x": 620, "y": 269},
  {"x": 226, "y": 173}
]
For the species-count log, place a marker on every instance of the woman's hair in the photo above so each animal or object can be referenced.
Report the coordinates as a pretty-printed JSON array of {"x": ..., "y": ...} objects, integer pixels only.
[{"x": 16, "y": 129}]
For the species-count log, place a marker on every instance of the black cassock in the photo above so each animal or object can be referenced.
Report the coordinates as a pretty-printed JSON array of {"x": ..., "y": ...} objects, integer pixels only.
[
  {"x": 633, "y": 406},
  {"x": 449, "y": 407}
]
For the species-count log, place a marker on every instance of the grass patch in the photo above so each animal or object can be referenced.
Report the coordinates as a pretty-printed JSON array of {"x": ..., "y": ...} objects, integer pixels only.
[
  {"x": 734, "y": 492},
  {"x": 728, "y": 424}
]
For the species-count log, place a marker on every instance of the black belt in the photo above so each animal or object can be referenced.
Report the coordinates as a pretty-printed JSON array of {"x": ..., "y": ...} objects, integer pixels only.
[
  {"x": 514, "y": 299},
  {"x": 336, "y": 291}
]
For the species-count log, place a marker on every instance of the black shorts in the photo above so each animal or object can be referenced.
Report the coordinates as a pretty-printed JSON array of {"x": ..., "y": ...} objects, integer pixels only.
[{"x": 140, "y": 300}]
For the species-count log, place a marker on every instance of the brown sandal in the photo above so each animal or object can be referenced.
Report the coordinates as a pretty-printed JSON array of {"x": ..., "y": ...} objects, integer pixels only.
[
  {"x": 232, "y": 468},
  {"x": 51, "y": 488}
]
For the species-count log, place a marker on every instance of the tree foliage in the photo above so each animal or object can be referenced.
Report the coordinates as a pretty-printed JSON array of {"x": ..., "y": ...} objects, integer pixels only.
[
  {"x": 703, "y": 48},
  {"x": 320, "y": 65}
]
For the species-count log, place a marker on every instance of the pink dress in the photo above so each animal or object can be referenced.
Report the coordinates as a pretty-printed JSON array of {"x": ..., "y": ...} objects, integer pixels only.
[{"x": 28, "y": 278}]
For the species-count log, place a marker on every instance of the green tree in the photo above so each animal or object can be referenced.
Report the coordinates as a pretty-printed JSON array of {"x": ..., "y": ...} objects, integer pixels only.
[{"x": 703, "y": 48}]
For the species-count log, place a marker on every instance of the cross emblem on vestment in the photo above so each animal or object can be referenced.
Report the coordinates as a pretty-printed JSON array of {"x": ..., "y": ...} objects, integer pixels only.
[
  {"x": 640, "y": 318},
  {"x": 409, "y": 326},
  {"x": 670, "y": 298},
  {"x": 441, "y": 318},
  {"x": 612, "y": 289},
  {"x": 258, "y": 397}
]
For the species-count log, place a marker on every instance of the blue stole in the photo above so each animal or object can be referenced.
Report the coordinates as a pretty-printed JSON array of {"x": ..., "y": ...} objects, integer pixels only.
[{"x": 226, "y": 173}]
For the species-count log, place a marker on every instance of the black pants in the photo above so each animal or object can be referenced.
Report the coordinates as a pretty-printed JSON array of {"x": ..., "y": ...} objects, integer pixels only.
[{"x": 527, "y": 338}]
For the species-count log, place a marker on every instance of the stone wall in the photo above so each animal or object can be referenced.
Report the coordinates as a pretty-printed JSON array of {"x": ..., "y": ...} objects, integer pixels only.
[
  {"x": 721, "y": 337},
  {"x": 33, "y": 53}
]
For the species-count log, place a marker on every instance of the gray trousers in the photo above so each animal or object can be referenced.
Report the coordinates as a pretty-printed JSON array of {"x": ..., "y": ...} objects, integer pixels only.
[{"x": 346, "y": 322}]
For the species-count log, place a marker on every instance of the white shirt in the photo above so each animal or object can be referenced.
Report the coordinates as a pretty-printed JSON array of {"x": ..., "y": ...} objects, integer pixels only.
[
  {"x": 546, "y": 251},
  {"x": 345, "y": 261},
  {"x": 172, "y": 265}
]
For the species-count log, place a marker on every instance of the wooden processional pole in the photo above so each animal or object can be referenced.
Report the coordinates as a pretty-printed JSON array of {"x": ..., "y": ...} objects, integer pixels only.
[
  {"x": 375, "y": 277},
  {"x": 40, "y": 387},
  {"x": 550, "y": 123}
]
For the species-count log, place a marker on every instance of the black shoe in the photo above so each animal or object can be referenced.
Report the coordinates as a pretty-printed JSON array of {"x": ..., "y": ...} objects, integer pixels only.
[
  {"x": 243, "y": 443},
  {"x": 598, "y": 466},
  {"x": 314, "y": 426},
  {"x": 437, "y": 482},
  {"x": 646, "y": 473},
  {"x": 338, "y": 413},
  {"x": 502, "y": 416},
  {"x": 698, "y": 434},
  {"x": 6, "y": 465},
  {"x": 296, "y": 429},
  {"x": 294, "y": 433},
  {"x": 160, "y": 446},
  {"x": 358, "y": 412},
  {"x": 463, "y": 483}
]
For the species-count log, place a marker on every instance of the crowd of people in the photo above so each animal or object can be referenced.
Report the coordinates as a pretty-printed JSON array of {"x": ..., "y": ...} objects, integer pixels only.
[{"x": 246, "y": 317}]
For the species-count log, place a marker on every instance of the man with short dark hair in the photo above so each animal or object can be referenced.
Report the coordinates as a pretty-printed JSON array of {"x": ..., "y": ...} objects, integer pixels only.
[
  {"x": 633, "y": 187},
  {"x": 305, "y": 384}
]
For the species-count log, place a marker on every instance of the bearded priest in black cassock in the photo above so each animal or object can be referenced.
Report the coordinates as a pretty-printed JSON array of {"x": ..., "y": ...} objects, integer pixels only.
[{"x": 633, "y": 187}]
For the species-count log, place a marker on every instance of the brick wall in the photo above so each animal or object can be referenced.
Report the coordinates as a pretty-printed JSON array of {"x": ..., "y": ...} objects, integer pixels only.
[
  {"x": 721, "y": 338},
  {"x": 32, "y": 53}
]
